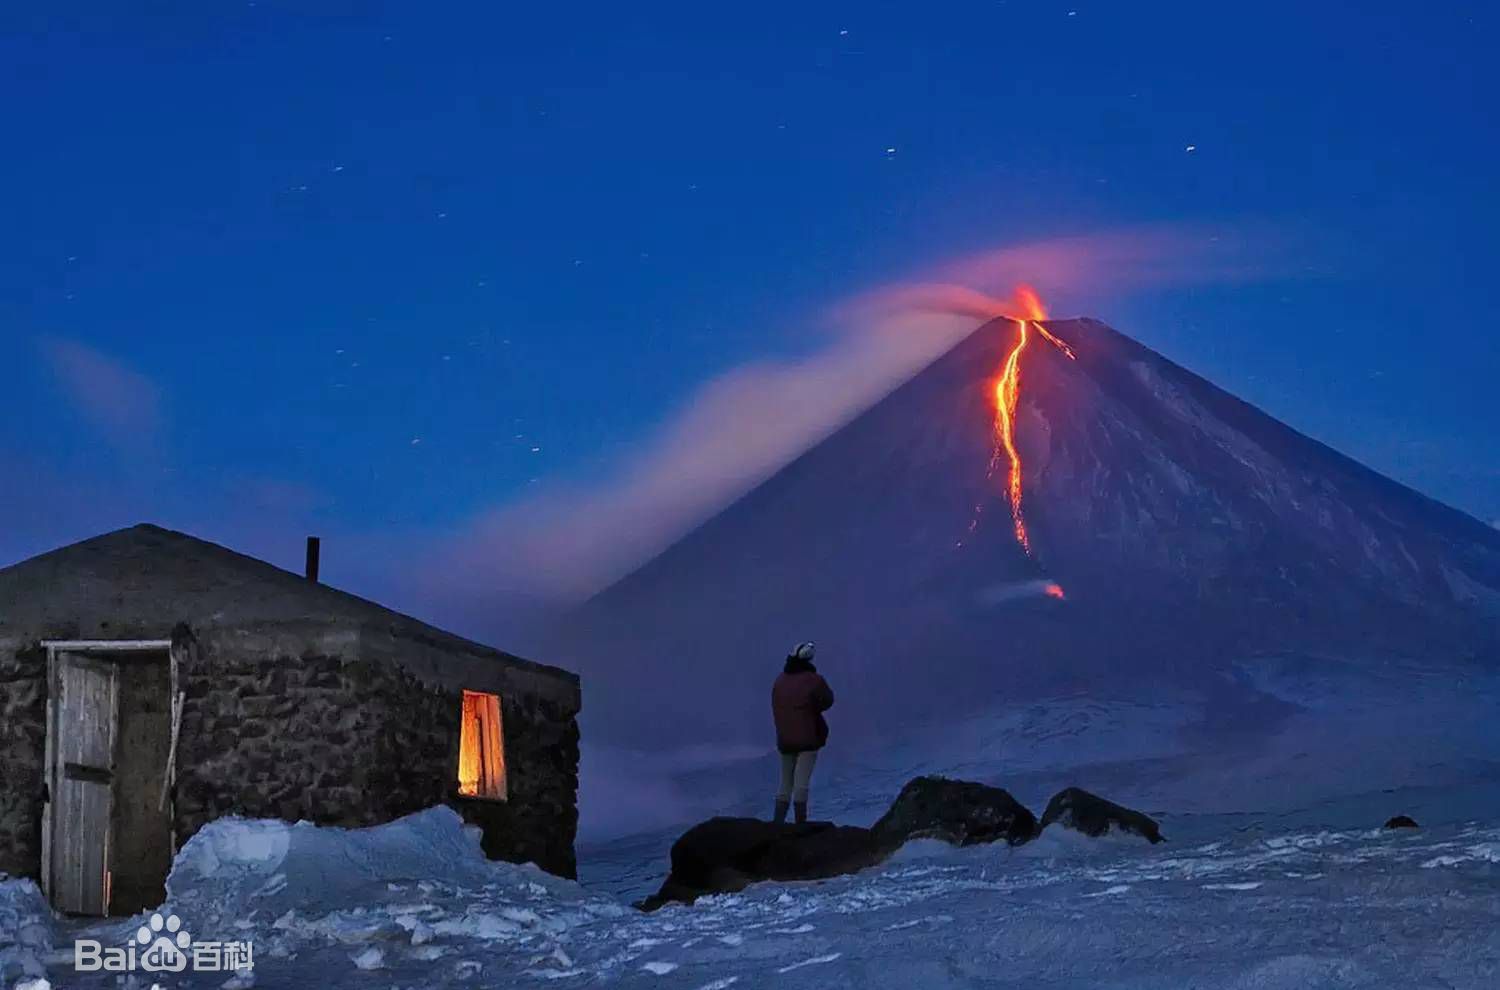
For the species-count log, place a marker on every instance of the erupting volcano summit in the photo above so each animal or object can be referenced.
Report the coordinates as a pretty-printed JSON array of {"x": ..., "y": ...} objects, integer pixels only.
[{"x": 1193, "y": 534}]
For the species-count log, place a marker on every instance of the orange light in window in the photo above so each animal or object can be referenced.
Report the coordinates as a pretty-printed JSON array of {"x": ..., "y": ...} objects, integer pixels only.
[{"x": 481, "y": 748}]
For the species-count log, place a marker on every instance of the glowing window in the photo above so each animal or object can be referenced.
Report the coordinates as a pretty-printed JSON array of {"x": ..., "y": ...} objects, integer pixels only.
[{"x": 481, "y": 748}]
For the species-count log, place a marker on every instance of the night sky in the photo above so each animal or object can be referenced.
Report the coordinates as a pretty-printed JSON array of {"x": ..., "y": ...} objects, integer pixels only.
[{"x": 378, "y": 271}]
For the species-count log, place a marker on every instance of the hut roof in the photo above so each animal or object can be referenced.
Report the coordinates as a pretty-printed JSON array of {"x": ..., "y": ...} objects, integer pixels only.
[{"x": 146, "y": 575}]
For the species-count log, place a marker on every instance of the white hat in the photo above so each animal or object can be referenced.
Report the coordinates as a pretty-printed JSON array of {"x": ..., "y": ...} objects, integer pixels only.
[{"x": 804, "y": 651}]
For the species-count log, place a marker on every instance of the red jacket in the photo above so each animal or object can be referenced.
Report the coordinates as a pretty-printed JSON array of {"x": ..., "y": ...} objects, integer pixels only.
[{"x": 799, "y": 698}]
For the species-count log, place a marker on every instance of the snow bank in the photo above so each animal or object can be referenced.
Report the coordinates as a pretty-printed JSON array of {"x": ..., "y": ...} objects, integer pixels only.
[
  {"x": 273, "y": 864},
  {"x": 398, "y": 897},
  {"x": 27, "y": 933}
]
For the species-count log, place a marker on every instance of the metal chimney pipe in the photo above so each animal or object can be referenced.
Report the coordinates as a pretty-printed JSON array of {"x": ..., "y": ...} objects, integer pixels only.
[{"x": 314, "y": 547}]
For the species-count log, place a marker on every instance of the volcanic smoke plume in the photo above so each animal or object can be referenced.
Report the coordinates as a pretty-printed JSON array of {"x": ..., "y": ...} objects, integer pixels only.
[{"x": 917, "y": 545}]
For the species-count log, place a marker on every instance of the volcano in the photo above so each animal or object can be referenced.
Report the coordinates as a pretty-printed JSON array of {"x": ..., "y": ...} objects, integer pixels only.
[{"x": 1166, "y": 534}]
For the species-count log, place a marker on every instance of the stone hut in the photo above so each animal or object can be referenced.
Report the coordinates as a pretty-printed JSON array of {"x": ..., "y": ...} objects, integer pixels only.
[{"x": 151, "y": 682}]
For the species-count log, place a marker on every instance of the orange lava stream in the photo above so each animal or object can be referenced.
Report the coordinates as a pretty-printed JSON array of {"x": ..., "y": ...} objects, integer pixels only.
[
  {"x": 1008, "y": 396},
  {"x": 1056, "y": 343}
]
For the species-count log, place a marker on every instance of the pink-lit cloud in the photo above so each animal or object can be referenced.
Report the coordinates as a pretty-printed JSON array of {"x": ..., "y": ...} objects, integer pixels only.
[
  {"x": 122, "y": 404},
  {"x": 1089, "y": 273},
  {"x": 567, "y": 540}
]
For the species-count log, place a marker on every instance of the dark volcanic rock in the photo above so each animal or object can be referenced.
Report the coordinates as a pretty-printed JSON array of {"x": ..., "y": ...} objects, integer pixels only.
[
  {"x": 1401, "y": 821},
  {"x": 957, "y": 811},
  {"x": 723, "y": 855},
  {"x": 1090, "y": 814}
]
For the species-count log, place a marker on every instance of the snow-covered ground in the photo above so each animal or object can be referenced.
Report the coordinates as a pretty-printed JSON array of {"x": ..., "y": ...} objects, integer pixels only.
[{"x": 414, "y": 904}]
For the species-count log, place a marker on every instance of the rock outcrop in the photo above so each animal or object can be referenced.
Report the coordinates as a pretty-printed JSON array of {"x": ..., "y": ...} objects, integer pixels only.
[
  {"x": 1401, "y": 821},
  {"x": 723, "y": 855},
  {"x": 1090, "y": 814},
  {"x": 959, "y": 812}
]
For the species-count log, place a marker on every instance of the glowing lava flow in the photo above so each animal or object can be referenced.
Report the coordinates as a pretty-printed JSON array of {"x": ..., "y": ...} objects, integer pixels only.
[{"x": 1008, "y": 395}]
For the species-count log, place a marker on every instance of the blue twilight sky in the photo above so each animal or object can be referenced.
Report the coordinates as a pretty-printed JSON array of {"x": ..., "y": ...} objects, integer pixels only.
[{"x": 374, "y": 269}]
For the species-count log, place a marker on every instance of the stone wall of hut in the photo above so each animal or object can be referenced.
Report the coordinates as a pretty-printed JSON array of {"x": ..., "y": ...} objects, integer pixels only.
[
  {"x": 306, "y": 722},
  {"x": 311, "y": 733},
  {"x": 23, "y": 741}
]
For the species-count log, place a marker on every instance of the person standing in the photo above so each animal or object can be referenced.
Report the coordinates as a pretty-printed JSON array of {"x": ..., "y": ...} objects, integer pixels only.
[{"x": 799, "y": 698}]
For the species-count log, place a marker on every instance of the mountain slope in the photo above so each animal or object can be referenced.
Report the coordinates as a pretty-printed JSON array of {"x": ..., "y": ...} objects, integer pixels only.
[{"x": 1189, "y": 531}]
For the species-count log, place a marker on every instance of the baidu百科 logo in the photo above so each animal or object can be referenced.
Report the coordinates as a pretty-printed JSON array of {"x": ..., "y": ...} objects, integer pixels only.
[{"x": 163, "y": 945}]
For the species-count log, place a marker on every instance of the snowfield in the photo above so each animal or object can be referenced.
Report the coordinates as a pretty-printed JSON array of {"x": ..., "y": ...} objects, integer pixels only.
[{"x": 415, "y": 904}]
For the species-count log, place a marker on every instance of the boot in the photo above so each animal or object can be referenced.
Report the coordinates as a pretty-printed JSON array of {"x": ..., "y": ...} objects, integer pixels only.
[
  {"x": 780, "y": 816},
  {"x": 800, "y": 811}
]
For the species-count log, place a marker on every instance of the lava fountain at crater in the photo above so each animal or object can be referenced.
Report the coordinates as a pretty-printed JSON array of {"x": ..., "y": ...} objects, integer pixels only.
[{"x": 1008, "y": 396}]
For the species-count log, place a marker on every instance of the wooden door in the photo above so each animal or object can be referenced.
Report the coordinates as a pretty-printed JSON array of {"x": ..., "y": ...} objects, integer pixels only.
[{"x": 82, "y": 775}]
